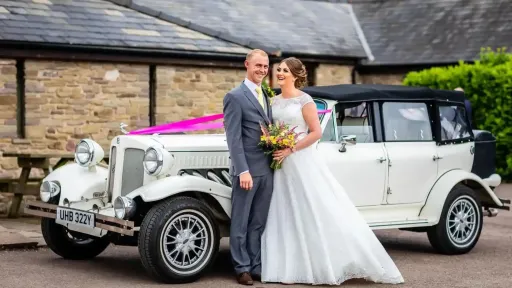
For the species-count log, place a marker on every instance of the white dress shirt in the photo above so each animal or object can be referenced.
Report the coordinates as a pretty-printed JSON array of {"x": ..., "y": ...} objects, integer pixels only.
[{"x": 252, "y": 87}]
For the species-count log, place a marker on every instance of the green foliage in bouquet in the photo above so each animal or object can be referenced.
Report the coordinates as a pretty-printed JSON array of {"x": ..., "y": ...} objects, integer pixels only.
[{"x": 488, "y": 85}]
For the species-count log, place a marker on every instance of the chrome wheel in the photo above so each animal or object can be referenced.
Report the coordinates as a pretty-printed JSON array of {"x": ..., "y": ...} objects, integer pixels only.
[
  {"x": 186, "y": 242},
  {"x": 463, "y": 221}
]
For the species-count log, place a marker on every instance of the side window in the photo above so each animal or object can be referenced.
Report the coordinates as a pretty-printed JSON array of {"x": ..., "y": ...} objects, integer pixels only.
[
  {"x": 453, "y": 123},
  {"x": 406, "y": 122},
  {"x": 328, "y": 133},
  {"x": 354, "y": 121}
]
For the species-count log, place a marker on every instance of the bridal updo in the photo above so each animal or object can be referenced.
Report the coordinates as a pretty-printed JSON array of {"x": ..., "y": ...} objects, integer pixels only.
[{"x": 298, "y": 70}]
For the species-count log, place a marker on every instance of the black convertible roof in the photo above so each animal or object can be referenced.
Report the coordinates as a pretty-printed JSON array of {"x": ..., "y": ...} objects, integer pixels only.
[{"x": 373, "y": 92}]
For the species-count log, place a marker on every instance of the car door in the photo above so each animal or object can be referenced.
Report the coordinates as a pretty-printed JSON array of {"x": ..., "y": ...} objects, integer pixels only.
[
  {"x": 411, "y": 150},
  {"x": 361, "y": 167}
]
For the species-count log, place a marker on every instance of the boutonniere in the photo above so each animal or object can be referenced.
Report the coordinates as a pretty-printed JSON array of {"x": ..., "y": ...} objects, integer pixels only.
[{"x": 270, "y": 93}]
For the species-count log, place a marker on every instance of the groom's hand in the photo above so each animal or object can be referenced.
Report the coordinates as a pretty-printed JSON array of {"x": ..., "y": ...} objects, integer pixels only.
[{"x": 246, "y": 181}]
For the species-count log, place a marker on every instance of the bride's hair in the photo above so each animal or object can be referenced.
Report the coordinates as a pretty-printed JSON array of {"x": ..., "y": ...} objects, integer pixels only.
[{"x": 298, "y": 70}]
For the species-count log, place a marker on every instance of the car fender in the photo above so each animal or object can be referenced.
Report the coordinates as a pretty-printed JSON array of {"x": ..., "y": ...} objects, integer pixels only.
[
  {"x": 172, "y": 185},
  {"x": 77, "y": 182},
  {"x": 444, "y": 184}
]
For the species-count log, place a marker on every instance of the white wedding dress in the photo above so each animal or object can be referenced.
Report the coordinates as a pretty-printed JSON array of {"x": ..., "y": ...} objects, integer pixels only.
[{"x": 314, "y": 234}]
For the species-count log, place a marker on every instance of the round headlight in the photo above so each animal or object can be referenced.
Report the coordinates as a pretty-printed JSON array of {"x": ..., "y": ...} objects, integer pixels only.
[
  {"x": 124, "y": 207},
  {"x": 88, "y": 153},
  {"x": 48, "y": 190},
  {"x": 152, "y": 161},
  {"x": 83, "y": 153}
]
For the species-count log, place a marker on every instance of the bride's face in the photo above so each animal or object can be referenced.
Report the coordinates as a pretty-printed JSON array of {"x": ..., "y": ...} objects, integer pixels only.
[{"x": 284, "y": 76}]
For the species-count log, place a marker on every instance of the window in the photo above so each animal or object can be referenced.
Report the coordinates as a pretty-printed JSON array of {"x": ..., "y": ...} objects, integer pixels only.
[
  {"x": 353, "y": 121},
  {"x": 454, "y": 124},
  {"x": 350, "y": 120},
  {"x": 406, "y": 122}
]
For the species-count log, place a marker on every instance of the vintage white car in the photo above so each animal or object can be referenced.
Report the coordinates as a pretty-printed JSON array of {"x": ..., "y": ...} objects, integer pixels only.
[{"x": 407, "y": 157}]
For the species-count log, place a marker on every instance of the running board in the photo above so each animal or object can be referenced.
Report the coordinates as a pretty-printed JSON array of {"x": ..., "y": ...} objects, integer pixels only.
[{"x": 398, "y": 224}]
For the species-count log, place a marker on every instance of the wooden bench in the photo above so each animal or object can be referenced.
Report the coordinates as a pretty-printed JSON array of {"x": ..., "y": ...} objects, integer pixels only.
[
  {"x": 31, "y": 187},
  {"x": 27, "y": 161}
]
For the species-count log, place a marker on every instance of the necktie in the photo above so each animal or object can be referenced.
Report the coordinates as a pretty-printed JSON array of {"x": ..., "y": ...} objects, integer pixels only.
[{"x": 260, "y": 96}]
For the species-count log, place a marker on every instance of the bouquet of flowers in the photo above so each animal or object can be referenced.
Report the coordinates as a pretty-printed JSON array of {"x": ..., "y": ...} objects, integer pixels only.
[{"x": 277, "y": 137}]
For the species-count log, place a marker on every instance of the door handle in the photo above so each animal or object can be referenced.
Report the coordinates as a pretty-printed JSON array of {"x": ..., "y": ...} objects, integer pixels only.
[
  {"x": 381, "y": 159},
  {"x": 435, "y": 157}
]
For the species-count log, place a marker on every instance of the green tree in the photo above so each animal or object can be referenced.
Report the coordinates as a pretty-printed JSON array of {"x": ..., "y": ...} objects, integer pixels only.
[{"x": 488, "y": 86}]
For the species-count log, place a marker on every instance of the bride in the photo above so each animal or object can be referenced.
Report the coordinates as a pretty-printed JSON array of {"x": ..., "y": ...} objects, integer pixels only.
[{"x": 314, "y": 234}]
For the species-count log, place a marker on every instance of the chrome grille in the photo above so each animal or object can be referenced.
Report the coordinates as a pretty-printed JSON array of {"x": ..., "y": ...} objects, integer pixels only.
[
  {"x": 111, "y": 172},
  {"x": 133, "y": 171}
]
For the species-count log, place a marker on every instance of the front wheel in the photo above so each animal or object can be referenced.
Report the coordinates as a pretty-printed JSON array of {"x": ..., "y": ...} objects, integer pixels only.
[
  {"x": 70, "y": 244},
  {"x": 460, "y": 224},
  {"x": 178, "y": 240}
]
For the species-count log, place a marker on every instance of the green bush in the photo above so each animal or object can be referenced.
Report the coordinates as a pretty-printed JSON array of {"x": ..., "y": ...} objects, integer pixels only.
[{"x": 488, "y": 85}]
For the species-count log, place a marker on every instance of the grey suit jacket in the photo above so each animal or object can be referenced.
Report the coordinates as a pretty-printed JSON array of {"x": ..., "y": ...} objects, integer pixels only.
[{"x": 242, "y": 117}]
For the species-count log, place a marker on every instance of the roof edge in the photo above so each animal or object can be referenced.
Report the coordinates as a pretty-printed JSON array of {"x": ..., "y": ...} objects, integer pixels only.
[
  {"x": 360, "y": 33},
  {"x": 274, "y": 51},
  {"x": 24, "y": 47}
]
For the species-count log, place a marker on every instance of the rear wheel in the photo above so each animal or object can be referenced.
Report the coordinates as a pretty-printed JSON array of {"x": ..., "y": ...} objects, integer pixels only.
[
  {"x": 460, "y": 224},
  {"x": 70, "y": 244},
  {"x": 178, "y": 240}
]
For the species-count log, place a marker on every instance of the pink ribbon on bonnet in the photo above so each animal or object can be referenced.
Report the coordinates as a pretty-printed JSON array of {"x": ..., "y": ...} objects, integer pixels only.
[{"x": 194, "y": 124}]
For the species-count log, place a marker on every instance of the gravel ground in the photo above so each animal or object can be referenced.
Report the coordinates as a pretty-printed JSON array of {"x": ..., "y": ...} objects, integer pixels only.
[{"x": 488, "y": 265}]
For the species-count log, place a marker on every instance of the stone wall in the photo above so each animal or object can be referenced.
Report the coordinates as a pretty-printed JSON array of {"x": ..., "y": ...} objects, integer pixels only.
[
  {"x": 389, "y": 78},
  {"x": 7, "y": 112},
  {"x": 186, "y": 92},
  {"x": 331, "y": 74},
  {"x": 67, "y": 101},
  {"x": 7, "y": 120}
]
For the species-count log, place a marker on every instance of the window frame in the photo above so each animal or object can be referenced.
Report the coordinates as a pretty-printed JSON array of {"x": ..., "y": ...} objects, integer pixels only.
[
  {"x": 440, "y": 142},
  {"x": 433, "y": 121},
  {"x": 373, "y": 122}
]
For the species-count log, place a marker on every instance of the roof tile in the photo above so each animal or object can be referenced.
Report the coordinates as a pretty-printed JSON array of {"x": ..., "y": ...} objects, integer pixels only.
[
  {"x": 98, "y": 22},
  {"x": 434, "y": 31},
  {"x": 291, "y": 26}
]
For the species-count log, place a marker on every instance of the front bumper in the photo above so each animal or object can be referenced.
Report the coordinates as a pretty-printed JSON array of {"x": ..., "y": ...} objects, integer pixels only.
[{"x": 112, "y": 224}]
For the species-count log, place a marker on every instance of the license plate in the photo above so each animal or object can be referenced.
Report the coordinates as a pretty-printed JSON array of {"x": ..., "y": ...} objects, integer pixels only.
[{"x": 71, "y": 216}]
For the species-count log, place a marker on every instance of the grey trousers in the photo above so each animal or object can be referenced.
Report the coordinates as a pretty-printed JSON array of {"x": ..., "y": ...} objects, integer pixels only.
[{"x": 248, "y": 218}]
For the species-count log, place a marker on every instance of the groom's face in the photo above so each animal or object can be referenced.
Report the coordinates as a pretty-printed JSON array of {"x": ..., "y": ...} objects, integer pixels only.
[{"x": 257, "y": 68}]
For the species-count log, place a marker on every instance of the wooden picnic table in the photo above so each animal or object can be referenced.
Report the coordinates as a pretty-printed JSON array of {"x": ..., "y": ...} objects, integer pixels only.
[{"x": 27, "y": 161}]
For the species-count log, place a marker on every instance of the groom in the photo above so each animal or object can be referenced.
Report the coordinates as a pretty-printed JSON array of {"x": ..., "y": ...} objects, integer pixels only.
[{"x": 245, "y": 107}]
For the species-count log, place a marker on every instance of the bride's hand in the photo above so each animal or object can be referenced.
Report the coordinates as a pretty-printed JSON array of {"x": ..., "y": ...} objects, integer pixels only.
[{"x": 281, "y": 154}]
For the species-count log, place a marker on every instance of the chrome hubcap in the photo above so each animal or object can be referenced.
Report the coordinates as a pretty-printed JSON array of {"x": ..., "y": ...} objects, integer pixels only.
[
  {"x": 186, "y": 242},
  {"x": 462, "y": 221}
]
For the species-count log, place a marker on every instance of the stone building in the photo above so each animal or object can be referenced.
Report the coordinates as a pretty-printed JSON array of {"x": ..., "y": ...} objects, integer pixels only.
[
  {"x": 75, "y": 69},
  {"x": 78, "y": 68}
]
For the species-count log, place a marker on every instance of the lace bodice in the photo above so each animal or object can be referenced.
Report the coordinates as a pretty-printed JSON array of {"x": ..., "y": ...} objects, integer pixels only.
[{"x": 289, "y": 111}]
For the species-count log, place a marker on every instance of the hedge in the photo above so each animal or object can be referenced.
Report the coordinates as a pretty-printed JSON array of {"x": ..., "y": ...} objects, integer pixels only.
[{"x": 488, "y": 85}]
